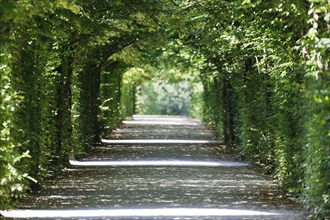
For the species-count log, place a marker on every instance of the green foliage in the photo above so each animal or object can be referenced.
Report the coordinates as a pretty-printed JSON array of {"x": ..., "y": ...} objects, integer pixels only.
[
  {"x": 168, "y": 81},
  {"x": 315, "y": 48},
  {"x": 12, "y": 180},
  {"x": 164, "y": 98},
  {"x": 128, "y": 97},
  {"x": 53, "y": 57},
  {"x": 266, "y": 85},
  {"x": 112, "y": 100},
  {"x": 258, "y": 74}
]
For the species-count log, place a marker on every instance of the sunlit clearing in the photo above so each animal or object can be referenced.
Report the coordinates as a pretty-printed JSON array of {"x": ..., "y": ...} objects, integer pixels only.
[
  {"x": 159, "y": 163},
  {"x": 159, "y": 141},
  {"x": 200, "y": 212}
]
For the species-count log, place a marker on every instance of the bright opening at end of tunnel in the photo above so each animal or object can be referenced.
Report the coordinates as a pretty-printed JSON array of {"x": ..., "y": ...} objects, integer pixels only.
[
  {"x": 177, "y": 163},
  {"x": 165, "y": 212}
]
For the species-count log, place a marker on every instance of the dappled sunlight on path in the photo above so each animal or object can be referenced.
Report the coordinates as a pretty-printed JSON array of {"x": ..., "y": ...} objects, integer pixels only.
[
  {"x": 175, "y": 163},
  {"x": 159, "y": 170}
]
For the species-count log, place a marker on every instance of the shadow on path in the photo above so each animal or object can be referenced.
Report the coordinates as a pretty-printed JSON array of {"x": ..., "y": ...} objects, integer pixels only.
[{"x": 165, "y": 180}]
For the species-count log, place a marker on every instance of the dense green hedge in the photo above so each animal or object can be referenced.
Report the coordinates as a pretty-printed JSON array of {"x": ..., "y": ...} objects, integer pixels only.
[
  {"x": 266, "y": 84},
  {"x": 55, "y": 66},
  {"x": 113, "y": 103},
  {"x": 128, "y": 95}
]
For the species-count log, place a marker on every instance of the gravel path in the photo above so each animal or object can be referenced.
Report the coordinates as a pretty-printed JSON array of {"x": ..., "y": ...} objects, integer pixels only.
[{"x": 159, "y": 180}]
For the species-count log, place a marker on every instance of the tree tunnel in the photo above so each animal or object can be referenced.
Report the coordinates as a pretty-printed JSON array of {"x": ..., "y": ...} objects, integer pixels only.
[{"x": 255, "y": 71}]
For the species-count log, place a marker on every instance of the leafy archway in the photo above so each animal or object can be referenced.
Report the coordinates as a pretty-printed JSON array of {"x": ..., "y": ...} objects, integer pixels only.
[{"x": 70, "y": 71}]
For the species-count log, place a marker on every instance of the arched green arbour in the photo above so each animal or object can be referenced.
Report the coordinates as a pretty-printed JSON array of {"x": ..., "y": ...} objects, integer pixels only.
[{"x": 263, "y": 66}]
